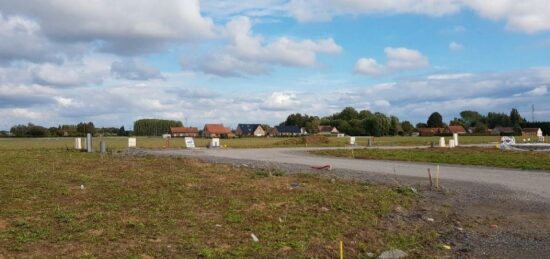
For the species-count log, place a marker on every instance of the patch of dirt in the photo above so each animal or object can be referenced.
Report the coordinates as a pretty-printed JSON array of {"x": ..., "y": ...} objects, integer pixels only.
[{"x": 3, "y": 225}]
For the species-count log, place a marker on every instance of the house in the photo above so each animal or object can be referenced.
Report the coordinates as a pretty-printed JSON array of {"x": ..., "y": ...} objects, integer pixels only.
[
  {"x": 503, "y": 131},
  {"x": 216, "y": 131},
  {"x": 290, "y": 131},
  {"x": 255, "y": 130},
  {"x": 328, "y": 130},
  {"x": 184, "y": 132},
  {"x": 455, "y": 129},
  {"x": 272, "y": 132},
  {"x": 430, "y": 131},
  {"x": 531, "y": 132}
]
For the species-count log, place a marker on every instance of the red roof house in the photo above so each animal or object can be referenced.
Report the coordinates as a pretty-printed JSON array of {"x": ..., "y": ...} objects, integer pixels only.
[{"x": 215, "y": 131}]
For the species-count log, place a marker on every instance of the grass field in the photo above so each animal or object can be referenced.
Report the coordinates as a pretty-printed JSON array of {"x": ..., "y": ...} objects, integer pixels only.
[
  {"x": 464, "y": 156},
  {"x": 157, "y": 142},
  {"x": 143, "y": 207}
]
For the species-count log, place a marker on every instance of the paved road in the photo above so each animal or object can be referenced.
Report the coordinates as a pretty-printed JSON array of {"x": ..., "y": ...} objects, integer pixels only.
[{"x": 536, "y": 183}]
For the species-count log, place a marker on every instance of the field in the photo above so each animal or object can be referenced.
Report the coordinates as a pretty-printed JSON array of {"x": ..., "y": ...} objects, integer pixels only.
[
  {"x": 62, "y": 203},
  {"x": 464, "y": 156},
  {"x": 157, "y": 142}
]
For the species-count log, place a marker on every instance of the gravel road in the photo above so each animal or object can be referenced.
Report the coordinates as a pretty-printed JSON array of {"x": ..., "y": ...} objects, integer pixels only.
[{"x": 527, "y": 185}]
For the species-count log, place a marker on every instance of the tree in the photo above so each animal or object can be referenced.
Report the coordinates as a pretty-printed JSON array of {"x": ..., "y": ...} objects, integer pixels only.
[
  {"x": 407, "y": 127},
  {"x": 480, "y": 128},
  {"x": 154, "y": 127},
  {"x": 395, "y": 127},
  {"x": 470, "y": 118},
  {"x": 498, "y": 119},
  {"x": 515, "y": 117},
  {"x": 421, "y": 125},
  {"x": 435, "y": 120}
]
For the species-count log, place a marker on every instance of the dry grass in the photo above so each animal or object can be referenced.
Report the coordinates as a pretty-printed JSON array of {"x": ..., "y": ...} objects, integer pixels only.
[
  {"x": 173, "y": 207},
  {"x": 262, "y": 142}
]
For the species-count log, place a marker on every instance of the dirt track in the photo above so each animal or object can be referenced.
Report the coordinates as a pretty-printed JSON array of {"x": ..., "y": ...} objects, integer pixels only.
[{"x": 528, "y": 185}]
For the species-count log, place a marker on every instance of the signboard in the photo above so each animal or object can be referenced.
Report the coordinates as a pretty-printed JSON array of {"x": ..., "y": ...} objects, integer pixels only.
[
  {"x": 132, "y": 142},
  {"x": 189, "y": 142},
  {"x": 165, "y": 136},
  {"x": 352, "y": 140},
  {"x": 215, "y": 142}
]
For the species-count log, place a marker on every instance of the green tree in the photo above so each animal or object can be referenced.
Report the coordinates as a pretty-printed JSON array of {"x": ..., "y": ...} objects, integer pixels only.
[
  {"x": 515, "y": 117},
  {"x": 407, "y": 127},
  {"x": 435, "y": 120},
  {"x": 154, "y": 127},
  {"x": 470, "y": 118}
]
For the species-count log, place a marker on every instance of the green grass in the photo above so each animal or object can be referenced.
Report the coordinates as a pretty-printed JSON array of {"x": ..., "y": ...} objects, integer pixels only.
[
  {"x": 175, "y": 207},
  {"x": 262, "y": 142},
  {"x": 464, "y": 156}
]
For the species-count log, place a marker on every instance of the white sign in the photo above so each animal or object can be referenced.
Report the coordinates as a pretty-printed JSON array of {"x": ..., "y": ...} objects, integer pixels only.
[
  {"x": 165, "y": 136},
  {"x": 441, "y": 142},
  {"x": 451, "y": 143},
  {"x": 189, "y": 142},
  {"x": 340, "y": 135},
  {"x": 215, "y": 142},
  {"x": 77, "y": 143},
  {"x": 132, "y": 142},
  {"x": 352, "y": 140},
  {"x": 455, "y": 138},
  {"x": 507, "y": 140}
]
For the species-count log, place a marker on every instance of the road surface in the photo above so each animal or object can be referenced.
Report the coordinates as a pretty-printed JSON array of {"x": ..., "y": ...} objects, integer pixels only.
[{"x": 535, "y": 184}]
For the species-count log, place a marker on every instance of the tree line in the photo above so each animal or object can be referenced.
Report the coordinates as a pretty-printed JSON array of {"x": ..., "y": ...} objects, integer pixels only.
[
  {"x": 364, "y": 122},
  {"x": 154, "y": 127},
  {"x": 67, "y": 130}
]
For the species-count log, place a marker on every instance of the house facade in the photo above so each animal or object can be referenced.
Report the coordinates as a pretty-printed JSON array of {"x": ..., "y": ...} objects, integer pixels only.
[
  {"x": 430, "y": 131},
  {"x": 328, "y": 130},
  {"x": 531, "y": 132},
  {"x": 290, "y": 131},
  {"x": 184, "y": 132},
  {"x": 216, "y": 131},
  {"x": 255, "y": 130},
  {"x": 455, "y": 129},
  {"x": 502, "y": 131}
]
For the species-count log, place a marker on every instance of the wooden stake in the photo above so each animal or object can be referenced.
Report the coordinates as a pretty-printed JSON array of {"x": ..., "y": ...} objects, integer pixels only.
[
  {"x": 437, "y": 178},
  {"x": 341, "y": 249},
  {"x": 430, "y": 176}
]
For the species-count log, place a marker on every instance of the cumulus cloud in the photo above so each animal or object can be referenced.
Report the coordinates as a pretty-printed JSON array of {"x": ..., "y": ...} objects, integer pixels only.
[
  {"x": 280, "y": 101},
  {"x": 397, "y": 59},
  {"x": 248, "y": 53},
  {"x": 455, "y": 46},
  {"x": 133, "y": 69},
  {"x": 22, "y": 39},
  {"x": 537, "y": 91},
  {"x": 125, "y": 27}
]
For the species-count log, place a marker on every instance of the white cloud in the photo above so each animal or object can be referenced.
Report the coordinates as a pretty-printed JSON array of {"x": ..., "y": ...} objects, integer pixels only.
[
  {"x": 398, "y": 59},
  {"x": 248, "y": 53},
  {"x": 134, "y": 69},
  {"x": 322, "y": 10},
  {"x": 537, "y": 91},
  {"x": 123, "y": 27},
  {"x": 455, "y": 46},
  {"x": 280, "y": 101},
  {"x": 527, "y": 16}
]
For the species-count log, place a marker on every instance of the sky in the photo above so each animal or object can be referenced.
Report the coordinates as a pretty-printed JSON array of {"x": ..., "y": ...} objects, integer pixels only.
[{"x": 112, "y": 62}]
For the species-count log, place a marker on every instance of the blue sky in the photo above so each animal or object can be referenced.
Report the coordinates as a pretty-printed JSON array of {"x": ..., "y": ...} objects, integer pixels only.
[{"x": 231, "y": 62}]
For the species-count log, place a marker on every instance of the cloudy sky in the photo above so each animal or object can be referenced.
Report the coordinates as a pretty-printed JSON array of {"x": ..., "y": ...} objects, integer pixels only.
[{"x": 112, "y": 62}]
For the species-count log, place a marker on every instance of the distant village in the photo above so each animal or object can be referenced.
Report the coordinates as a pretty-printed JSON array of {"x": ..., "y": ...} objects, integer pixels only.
[{"x": 348, "y": 122}]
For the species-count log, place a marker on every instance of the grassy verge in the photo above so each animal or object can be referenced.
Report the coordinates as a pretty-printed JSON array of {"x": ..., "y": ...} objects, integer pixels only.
[
  {"x": 172, "y": 207},
  {"x": 262, "y": 142},
  {"x": 464, "y": 156}
]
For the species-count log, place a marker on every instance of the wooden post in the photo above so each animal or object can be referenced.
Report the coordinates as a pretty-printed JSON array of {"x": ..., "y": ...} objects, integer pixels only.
[
  {"x": 341, "y": 249},
  {"x": 437, "y": 178},
  {"x": 430, "y": 177}
]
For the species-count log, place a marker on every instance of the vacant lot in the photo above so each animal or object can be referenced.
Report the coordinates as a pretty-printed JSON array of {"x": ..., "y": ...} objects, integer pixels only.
[
  {"x": 464, "y": 156},
  {"x": 157, "y": 142},
  {"x": 66, "y": 203}
]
